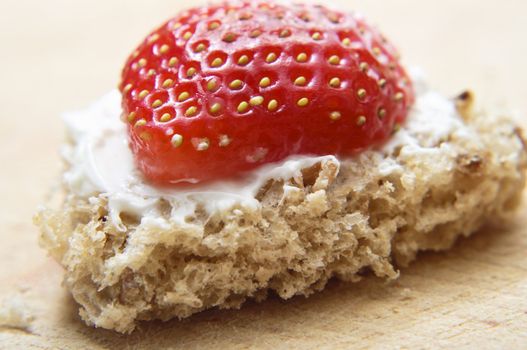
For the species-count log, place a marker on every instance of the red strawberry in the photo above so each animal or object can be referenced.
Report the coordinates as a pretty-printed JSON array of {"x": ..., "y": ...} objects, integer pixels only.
[{"x": 223, "y": 89}]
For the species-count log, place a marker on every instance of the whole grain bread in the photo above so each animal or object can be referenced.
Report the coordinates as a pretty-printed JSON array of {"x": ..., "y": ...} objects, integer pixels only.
[{"x": 373, "y": 212}]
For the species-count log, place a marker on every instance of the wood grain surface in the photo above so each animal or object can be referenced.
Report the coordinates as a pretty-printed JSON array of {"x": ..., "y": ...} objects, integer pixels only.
[{"x": 57, "y": 55}]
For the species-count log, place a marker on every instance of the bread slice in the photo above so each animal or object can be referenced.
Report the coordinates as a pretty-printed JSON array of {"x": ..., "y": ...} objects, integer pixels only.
[{"x": 437, "y": 180}]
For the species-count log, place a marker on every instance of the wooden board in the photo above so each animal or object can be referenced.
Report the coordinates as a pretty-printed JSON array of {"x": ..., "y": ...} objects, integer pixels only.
[{"x": 57, "y": 55}]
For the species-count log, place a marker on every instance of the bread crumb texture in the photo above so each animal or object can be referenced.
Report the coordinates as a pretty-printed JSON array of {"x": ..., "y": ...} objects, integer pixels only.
[
  {"x": 15, "y": 313},
  {"x": 372, "y": 213}
]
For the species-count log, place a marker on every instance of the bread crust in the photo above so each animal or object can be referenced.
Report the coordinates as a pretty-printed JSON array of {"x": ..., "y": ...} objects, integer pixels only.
[{"x": 337, "y": 220}]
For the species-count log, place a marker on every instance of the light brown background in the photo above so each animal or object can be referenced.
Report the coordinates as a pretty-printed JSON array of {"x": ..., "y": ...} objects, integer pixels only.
[{"x": 57, "y": 55}]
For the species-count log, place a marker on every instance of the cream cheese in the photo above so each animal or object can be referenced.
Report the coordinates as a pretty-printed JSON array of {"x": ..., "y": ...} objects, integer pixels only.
[{"x": 101, "y": 163}]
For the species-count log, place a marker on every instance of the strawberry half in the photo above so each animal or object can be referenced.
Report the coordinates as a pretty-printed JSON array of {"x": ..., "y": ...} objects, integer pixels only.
[{"x": 222, "y": 89}]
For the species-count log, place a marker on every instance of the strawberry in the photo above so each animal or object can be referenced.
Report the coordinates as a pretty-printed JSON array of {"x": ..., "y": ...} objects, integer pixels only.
[{"x": 222, "y": 89}]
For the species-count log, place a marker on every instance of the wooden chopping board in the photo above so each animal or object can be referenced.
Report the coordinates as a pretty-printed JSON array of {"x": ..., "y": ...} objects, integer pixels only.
[{"x": 60, "y": 54}]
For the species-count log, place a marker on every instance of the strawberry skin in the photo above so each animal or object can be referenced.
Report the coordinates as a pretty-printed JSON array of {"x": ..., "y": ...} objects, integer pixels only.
[{"x": 223, "y": 89}]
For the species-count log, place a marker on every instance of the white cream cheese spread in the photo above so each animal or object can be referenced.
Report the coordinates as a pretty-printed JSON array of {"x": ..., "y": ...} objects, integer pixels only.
[{"x": 101, "y": 164}]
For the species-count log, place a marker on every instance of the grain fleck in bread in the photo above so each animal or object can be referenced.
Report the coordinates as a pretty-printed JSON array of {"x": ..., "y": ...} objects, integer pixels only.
[{"x": 338, "y": 219}]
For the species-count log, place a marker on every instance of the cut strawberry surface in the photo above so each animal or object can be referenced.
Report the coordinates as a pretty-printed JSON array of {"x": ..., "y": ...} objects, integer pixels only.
[{"x": 223, "y": 89}]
